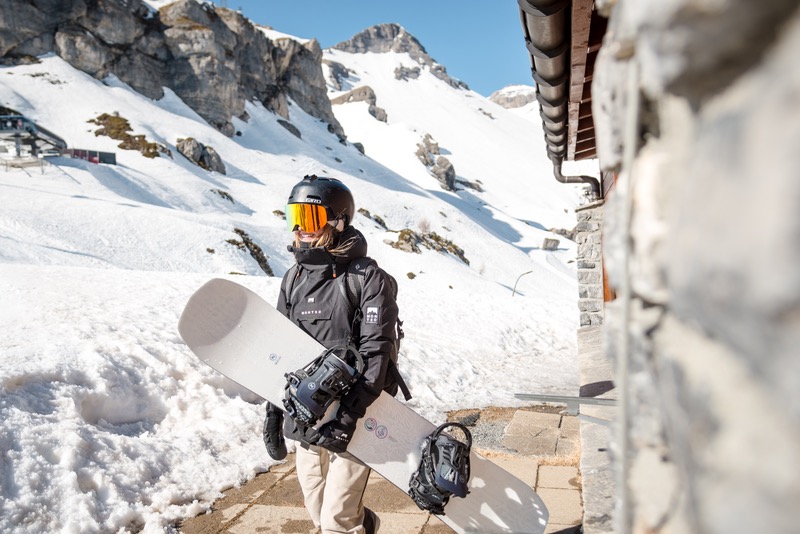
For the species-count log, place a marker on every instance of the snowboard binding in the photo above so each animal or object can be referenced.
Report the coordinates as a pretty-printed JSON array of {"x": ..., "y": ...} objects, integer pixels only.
[
  {"x": 443, "y": 470},
  {"x": 313, "y": 388}
]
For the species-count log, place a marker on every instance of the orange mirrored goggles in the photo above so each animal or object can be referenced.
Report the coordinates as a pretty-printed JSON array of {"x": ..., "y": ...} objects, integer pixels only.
[{"x": 306, "y": 217}]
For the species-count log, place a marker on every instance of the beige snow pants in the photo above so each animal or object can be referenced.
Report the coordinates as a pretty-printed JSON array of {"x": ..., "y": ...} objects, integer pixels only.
[{"x": 333, "y": 487}]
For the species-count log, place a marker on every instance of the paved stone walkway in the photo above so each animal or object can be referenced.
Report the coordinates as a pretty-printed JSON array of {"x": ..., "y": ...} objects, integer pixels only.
[{"x": 538, "y": 447}]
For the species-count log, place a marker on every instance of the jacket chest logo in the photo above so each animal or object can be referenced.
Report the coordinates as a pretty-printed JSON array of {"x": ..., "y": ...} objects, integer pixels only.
[{"x": 373, "y": 315}]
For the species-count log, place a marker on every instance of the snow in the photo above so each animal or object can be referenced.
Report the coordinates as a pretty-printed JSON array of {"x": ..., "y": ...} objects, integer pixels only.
[
  {"x": 108, "y": 423},
  {"x": 275, "y": 35}
]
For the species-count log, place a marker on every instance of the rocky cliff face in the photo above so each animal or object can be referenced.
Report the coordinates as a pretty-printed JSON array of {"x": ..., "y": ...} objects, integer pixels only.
[
  {"x": 394, "y": 38},
  {"x": 212, "y": 58}
]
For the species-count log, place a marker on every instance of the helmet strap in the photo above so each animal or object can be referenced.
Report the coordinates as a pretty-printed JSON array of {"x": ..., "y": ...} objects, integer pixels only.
[{"x": 340, "y": 224}]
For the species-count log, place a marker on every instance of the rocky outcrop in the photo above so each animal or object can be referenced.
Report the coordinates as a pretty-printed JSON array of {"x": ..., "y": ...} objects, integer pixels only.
[
  {"x": 439, "y": 166},
  {"x": 410, "y": 241},
  {"x": 214, "y": 59},
  {"x": 256, "y": 252},
  {"x": 445, "y": 172},
  {"x": 337, "y": 74},
  {"x": 427, "y": 150},
  {"x": 514, "y": 96},
  {"x": 405, "y": 73},
  {"x": 394, "y": 38},
  {"x": 362, "y": 94},
  {"x": 201, "y": 155},
  {"x": 291, "y": 128}
]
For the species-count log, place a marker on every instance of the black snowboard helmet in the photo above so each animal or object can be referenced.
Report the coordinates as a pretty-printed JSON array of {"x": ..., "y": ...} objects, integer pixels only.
[{"x": 330, "y": 193}]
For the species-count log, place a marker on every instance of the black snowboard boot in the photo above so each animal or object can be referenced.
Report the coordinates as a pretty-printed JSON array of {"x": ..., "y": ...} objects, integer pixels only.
[
  {"x": 371, "y": 521},
  {"x": 273, "y": 433}
]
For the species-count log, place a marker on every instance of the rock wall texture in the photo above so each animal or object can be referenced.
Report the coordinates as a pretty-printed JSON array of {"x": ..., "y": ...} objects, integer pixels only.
[
  {"x": 588, "y": 236},
  {"x": 713, "y": 249},
  {"x": 214, "y": 59}
]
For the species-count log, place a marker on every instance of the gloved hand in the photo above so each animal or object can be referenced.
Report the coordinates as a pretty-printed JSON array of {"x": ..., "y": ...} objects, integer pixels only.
[
  {"x": 273, "y": 433},
  {"x": 335, "y": 435}
]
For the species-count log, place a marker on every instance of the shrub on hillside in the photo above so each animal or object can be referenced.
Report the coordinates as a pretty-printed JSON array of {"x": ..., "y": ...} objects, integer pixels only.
[
  {"x": 119, "y": 128},
  {"x": 410, "y": 241}
]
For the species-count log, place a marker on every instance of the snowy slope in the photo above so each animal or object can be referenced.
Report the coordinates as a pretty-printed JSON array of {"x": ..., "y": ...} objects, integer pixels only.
[
  {"x": 108, "y": 421},
  {"x": 485, "y": 142}
]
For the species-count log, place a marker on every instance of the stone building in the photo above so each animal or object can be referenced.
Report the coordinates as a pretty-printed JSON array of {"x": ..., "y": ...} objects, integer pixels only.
[{"x": 692, "y": 109}]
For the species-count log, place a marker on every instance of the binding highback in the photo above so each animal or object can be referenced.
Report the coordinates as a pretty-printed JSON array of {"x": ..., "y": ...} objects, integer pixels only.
[{"x": 443, "y": 471}]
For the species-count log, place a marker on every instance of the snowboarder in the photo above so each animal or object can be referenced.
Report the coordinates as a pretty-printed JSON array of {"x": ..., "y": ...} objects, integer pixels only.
[{"x": 320, "y": 213}]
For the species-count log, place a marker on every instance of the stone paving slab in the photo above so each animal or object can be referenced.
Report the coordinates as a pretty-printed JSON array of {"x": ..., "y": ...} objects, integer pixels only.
[
  {"x": 544, "y": 443},
  {"x": 525, "y": 422},
  {"x": 559, "y": 477},
  {"x": 526, "y": 469},
  {"x": 533, "y": 433},
  {"x": 570, "y": 427},
  {"x": 273, "y": 520},
  {"x": 564, "y": 505},
  {"x": 568, "y": 446}
]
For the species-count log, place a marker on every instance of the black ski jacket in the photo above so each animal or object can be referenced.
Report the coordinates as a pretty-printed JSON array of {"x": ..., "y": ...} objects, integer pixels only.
[{"x": 318, "y": 305}]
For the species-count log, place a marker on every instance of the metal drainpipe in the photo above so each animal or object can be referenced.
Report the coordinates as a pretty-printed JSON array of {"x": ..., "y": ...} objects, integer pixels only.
[{"x": 594, "y": 183}]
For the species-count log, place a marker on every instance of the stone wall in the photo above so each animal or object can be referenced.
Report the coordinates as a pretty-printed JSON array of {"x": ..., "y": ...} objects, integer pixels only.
[
  {"x": 713, "y": 250},
  {"x": 588, "y": 235}
]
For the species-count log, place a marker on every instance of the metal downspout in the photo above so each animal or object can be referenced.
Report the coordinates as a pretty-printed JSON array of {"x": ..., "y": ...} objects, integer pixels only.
[
  {"x": 593, "y": 182},
  {"x": 545, "y": 25}
]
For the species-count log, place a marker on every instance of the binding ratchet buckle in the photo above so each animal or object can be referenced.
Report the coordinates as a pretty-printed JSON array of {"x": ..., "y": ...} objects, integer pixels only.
[{"x": 313, "y": 388}]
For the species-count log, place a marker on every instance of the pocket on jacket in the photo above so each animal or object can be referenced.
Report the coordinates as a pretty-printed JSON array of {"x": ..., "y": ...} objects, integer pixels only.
[{"x": 311, "y": 312}]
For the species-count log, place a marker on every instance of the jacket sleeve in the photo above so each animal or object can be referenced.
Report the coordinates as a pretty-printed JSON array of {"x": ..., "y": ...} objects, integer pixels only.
[{"x": 377, "y": 339}]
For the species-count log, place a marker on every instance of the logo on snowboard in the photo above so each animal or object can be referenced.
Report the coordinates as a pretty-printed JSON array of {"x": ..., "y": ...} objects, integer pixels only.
[{"x": 371, "y": 425}]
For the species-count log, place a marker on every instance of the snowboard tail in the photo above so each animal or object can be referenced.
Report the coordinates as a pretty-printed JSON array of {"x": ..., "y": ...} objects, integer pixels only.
[{"x": 239, "y": 334}]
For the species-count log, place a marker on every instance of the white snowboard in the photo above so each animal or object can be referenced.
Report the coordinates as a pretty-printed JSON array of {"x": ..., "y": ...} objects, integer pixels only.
[{"x": 243, "y": 337}]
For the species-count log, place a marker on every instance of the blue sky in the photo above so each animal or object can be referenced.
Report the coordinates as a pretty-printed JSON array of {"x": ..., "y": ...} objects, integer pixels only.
[{"x": 479, "y": 41}]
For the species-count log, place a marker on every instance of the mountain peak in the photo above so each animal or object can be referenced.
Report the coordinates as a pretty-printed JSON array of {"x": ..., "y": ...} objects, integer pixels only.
[
  {"x": 385, "y": 38},
  {"x": 391, "y": 37},
  {"x": 514, "y": 96}
]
